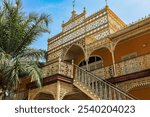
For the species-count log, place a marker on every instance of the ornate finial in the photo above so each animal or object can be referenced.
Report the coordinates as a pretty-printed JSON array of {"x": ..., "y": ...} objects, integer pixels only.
[
  {"x": 106, "y": 2},
  {"x": 63, "y": 22},
  {"x": 84, "y": 9},
  {"x": 74, "y": 4},
  {"x": 73, "y": 12}
]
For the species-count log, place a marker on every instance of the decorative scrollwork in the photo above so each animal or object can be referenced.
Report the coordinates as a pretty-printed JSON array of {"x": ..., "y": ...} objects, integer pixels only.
[
  {"x": 129, "y": 85},
  {"x": 104, "y": 73},
  {"x": 58, "y": 68},
  {"x": 133, "y": 65}
]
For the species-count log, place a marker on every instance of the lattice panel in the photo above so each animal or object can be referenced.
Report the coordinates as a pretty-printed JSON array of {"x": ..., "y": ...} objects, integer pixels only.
[
  {"x": 58, "y": 68},
  {"x": 129, "y": 85},
  {"x": 115, "y": 25},
  {"x": 74, "y": 24},
  {"x": 54, "y": 55},
  {"x": 74, "y": 35},
  {"x": 104, "y": 73},
  {"x": 96, "y": 23},
  {"x": 133, "y": 65},
  {"x": 97, "y": 45},
  {"x": 90, "y": 27},
  {"x": 102, "y": 35}
]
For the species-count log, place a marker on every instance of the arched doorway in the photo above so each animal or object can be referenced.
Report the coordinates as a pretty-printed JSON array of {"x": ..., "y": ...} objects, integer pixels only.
[{"x": 44, "y": 96}]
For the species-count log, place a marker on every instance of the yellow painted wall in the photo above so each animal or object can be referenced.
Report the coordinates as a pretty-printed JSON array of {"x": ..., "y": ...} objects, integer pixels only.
[
  {"x": 141, "y": 45},
  {"x": 105, "y": 55}
]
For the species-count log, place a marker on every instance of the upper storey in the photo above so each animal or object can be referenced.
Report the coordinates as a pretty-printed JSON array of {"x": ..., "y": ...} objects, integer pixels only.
[
  {"x": 98, "y": 25},
  {"x": 74, "y": 21},
  {"x": 105, "y": 15}
]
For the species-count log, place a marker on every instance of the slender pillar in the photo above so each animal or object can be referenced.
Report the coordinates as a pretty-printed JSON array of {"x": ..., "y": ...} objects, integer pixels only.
[
  {"x": 58, "y": 91},
  {"x": 73, "y": 69},
  {"x": 87, "y": 65},
  {"x": 113, "y": 59},
  {"x": 59, "y": 69}
]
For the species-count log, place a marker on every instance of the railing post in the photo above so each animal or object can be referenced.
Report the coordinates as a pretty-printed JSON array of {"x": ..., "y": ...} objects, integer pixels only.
[
  {"x": 59, "y": 66},
  {"x": 87, "y": 64},
  {"x": 114, "y": 95},
  {"x": 105, "y": 92},
  {"x": 72, "y": 69},
  {"x": 102, "y": 90},
  {"x": 110, "y": 93}
]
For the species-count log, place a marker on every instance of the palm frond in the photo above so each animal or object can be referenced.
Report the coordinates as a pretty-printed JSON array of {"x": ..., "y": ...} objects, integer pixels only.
[
  {"x": 36, "y": 26},
  {"x": 32, "y": 70},
  {"x": 33, "y": 54},
  {"x": 17, "y": 32}
]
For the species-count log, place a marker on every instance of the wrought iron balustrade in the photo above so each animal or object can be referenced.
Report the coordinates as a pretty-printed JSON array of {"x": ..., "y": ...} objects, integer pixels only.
[
  {"x": 98, "y": 86},
  {"x": 125, "y": 67},
  {"x": 133, "y": 65},
  {"x": 58, "y": 67},
  {"x": 105, "y": 72}
]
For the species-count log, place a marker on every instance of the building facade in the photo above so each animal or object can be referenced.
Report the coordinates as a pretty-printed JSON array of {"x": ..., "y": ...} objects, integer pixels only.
[{"x": 96, "y": 57}]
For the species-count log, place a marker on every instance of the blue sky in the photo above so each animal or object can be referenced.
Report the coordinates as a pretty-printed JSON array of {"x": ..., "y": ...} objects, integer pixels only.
[{"x": 127, "y": 10}]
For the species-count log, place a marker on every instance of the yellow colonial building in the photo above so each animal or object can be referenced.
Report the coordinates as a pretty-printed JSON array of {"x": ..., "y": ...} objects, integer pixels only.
[{"x": 95, "y": 58}]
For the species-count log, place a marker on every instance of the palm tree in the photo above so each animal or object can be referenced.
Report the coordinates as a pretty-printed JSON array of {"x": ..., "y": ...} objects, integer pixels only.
[{"x": 17, "y": 32}]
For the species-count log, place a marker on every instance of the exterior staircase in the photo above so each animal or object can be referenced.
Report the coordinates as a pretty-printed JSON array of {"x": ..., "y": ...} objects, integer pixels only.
[{"x": 97, "y": 88}]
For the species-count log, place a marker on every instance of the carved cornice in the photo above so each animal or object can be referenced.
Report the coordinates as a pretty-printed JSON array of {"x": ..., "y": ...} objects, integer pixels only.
[{"x": 132, "y": 30}]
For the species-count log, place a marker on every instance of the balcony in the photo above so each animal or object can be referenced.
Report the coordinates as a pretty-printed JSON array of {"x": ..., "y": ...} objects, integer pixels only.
[
  {"x": 133, "y": 65},
  {"x": 125, "y": 67},
  {"x": 58, "y": 67},
  {"x": 122, "y": 68}
]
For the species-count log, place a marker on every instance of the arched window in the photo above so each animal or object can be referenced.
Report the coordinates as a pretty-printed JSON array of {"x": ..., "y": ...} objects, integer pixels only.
[{"x": 94, "y": 62}]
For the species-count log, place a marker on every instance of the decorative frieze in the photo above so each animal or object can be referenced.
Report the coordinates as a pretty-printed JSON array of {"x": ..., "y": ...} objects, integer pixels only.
[
  {"x": 133, "y": 65},
  {"x": 131, "y": 84},
  {"x": 58, "y": 68},
  {"x": 74, "y": 24},
  {"x": 85, "y": 30},
  {"x": 104, "y": 73},
  {"x": 102, "y": 35},
  {"x": 54, "y": 55},
  {"x": 102, "y": 43},
  {"x": 96, "y": 23}
]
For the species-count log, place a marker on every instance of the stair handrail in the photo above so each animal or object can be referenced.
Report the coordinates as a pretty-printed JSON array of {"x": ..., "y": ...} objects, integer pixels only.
[{"x": 107, "y": 83}]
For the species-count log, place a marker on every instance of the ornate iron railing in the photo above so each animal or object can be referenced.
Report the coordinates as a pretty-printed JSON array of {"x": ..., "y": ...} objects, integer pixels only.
[
  {"x": 98, "y": 86},
  {"x": 58, "y": 68},
  {"x": 125, "y": 67},
  {"x": 133, "y": 65},
  {"x": 105, "y": 73}
]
